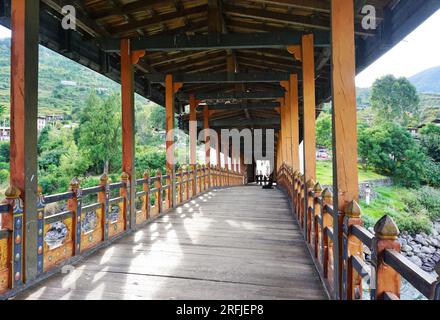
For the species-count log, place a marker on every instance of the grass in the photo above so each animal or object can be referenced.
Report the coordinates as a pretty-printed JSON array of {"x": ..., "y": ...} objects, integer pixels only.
[
  {"x": 324, "y": 173},
  {"x": 389, "y": 200}
]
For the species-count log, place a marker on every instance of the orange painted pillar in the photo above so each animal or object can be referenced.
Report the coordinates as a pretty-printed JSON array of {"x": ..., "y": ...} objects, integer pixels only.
[
  {"x": 207, "y": 138},
  {"x": 127, "y": 95},
  {"x": 345, "y": 179},
  {"x": 23, "y": 145},
  {"x": 294, "y": 116},
  {"x": 169, "y": 106},
  {"x": 207, "y": 143},
  {"x": 193, "y": 129},
  {"x": 308, "y": 58}
]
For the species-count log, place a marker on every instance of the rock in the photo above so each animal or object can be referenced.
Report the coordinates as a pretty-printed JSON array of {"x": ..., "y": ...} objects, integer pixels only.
[
  {"x": 420, "y": 239},
  {"x": 409, "y": 254},
  {"x": 434, "y": 233},
  {"x": 416, "y": 260},
  {"x": 416, "y": 248},
  {"x": 428, "y": 250},
  {"x": 406, "y": 248},
  {"x": 435, "y": 243},
  {"x": 403, "y": 242}
]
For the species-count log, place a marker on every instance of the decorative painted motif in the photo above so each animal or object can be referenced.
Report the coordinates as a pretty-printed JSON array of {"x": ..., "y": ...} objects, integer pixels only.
[
  {"x": 114, "y": 213},
  {"x": 56, "y": 235},
  {"x": 90, "y": 222}
]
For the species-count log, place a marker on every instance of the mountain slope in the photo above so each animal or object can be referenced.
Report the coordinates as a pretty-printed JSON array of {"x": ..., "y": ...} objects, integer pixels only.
[
  {"x": 427, "y": 81},
  {"x": 63, "y": 85}
]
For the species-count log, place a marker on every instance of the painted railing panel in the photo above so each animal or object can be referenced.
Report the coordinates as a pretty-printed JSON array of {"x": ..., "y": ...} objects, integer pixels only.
[
  {"x": 79, "y": 227},
  {"x": 313, "y": 209}
]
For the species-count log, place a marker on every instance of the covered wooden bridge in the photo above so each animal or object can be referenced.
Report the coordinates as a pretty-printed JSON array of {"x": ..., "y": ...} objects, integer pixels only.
[{"x": 201, "y": 231}]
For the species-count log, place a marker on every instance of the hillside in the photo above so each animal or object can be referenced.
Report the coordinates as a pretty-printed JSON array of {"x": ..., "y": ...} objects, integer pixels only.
[
  {"x": 427, "y": 81},
  {"x": 63, "y": 84}
]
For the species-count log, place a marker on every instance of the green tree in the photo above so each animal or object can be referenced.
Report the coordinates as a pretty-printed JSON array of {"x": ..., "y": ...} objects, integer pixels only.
[
  {"x": 157, "y": 118},
  {"x": 391, "y": 150},
  {"x": 394, "y": 100},
  {"x": 324, "y": 130},
  {"x": 100, "y": 132},
  {"x": 430, "y": 141}
]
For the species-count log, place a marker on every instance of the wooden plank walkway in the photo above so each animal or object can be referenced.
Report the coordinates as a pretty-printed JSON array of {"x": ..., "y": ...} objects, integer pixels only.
[{"x": 236, "y": 243}]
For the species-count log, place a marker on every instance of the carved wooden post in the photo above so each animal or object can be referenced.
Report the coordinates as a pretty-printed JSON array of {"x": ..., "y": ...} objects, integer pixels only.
[
  {"x": 40, "y": 235},
  {"x": 169, "y": 191},
  {"x": 146, "y": 189},
  {"x": 158, "y": 186},
  {"x": 309, "y": 207},
  {"x": 298, "y": 198},
  {"x": 317, "y": 212},
  {"x": 180, "y": 186},
  {"x": 75, "y": 205},
  {"x": 103, "y": 198},
  {"x": 352, "y": 246},
  {"x": 188, "y": 182},
  {"x": 124, "y": 192},
  {"x": 327, "y": 222},
  {"x": 13, "y": 221},
  {"x": 386, "y": 279}
]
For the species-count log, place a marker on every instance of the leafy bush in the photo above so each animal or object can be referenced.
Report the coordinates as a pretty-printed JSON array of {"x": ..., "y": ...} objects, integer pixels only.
[
  {"x": 429, "y": 198},
  {"x": 53, "y": 184},
  {"x": 4, "y": 152},
  {"x": 4, "y": 175}
]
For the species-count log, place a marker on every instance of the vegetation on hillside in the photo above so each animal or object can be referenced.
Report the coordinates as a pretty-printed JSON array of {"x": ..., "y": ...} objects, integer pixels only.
[{"x": 387, "y": 148}]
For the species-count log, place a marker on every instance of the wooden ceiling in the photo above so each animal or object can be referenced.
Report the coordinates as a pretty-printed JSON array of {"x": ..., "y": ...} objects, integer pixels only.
[{"x": 104, "y": 19}]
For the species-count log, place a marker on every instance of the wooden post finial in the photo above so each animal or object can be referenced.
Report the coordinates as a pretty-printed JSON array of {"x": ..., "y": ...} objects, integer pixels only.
[
  {"x": 125, "y": 176},
  {"x": 12, "y": 192},
  {"x": 74, "y": 184},
  {"x": 310, "y": 184},
  {"x": 317, "y": 188},
  {"x": 386, "y": 229},
  {"x": 353, "y": 210},
  {"x": 104, "y": 178},
  {"x": 327, "y": 194},
  {"x": 146, "y": 174}
]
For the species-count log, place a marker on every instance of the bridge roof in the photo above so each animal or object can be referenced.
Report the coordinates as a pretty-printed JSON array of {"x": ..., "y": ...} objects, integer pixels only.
[{"x": 169, "y": 29}]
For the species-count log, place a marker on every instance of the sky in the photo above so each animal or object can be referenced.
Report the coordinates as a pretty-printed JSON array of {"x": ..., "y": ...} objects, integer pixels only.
[{"x": 419, "y": 51}]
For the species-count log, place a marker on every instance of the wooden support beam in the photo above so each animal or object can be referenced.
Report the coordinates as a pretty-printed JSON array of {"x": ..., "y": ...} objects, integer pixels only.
[
  {"x": 218, "y": 41},
  {"x": 345, "y": 156},
  {"x": 305, "y": 22},
  {"x": 217, "y": 78},
  {"x": 129, "y": 8},
  {"x": 231, "y": 123},
  {"x": 169, "y": 106},
  {"x": 128, "y": 125},
  {"x": 24, "y": 110},
  {"x": 242, "y": 106},
  {"x": 253, "y": 95},
  {"x": 157, "y": 19},
  {"x": 193, "y": 130}
]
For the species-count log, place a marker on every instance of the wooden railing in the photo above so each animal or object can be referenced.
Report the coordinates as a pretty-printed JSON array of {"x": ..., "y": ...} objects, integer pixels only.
[
  {"x": 91, "y": 218},
  {"x": 313, "y": 208}
]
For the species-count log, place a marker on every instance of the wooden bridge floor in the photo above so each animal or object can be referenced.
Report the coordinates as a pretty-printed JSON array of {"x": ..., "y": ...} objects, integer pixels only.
[{"x": 236, "y": 243}]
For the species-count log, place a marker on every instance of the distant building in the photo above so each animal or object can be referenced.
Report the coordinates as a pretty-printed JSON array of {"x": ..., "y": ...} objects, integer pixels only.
[
  {"x": 414, "y": 131},
  {"x": 5, "y": 133},
  {"x": 41, "y": 123}
]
